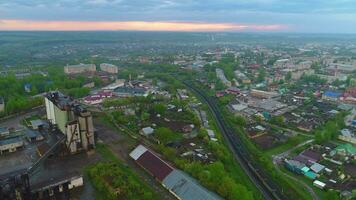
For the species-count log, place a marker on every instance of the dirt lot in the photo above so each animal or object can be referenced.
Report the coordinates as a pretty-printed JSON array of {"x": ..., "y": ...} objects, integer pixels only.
[{"x": 122, "y": 145}]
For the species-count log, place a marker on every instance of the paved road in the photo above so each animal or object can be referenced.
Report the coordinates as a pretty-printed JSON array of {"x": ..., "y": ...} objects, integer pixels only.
[
  {"x": 279, "y": 157},
  {"x": 14, "y": 122}
]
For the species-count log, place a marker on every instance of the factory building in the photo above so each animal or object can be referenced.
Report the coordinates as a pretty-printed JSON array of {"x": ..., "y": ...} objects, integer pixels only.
[
  {"x": 110, "y": 68},
  {"x": 72, "y": 120},
  {"x": 76, "y": 69},
  {"x": 2, "y": 105},
  {"x": 10, "y": 144}
]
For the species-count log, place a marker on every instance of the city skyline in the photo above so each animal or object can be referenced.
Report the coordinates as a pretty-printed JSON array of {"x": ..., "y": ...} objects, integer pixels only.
[{"x": 186, "y": 15}]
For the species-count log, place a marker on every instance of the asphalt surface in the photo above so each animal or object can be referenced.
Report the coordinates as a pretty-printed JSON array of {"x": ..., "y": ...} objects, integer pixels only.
[{"x": 256, "y": 174}]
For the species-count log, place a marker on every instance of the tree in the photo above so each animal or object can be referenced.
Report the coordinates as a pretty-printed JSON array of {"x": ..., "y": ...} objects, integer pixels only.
[
  {"x": 145, "y": 116},
  {"x": 288, "y": 76},
  {"x": 261, "y": 74},
  {"x": 159, "y": 108},
  {"x": 166, "y": 135}
]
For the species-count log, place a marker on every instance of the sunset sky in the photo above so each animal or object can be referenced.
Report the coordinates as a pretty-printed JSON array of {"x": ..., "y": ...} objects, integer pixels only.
[{"x": 307, "y": 16}]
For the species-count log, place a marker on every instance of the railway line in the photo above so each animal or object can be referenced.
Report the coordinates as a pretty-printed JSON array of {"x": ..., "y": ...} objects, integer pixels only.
[{"x": 268, "y": 189}]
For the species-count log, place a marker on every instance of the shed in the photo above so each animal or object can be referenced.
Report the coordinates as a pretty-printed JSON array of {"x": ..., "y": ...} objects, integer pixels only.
[
  {"x": 319, "y": 184},
  {"x": 37, "y": 123},
  {"x": 34, "y": 136},
  {"x": 146, "y": 131},
  {"x": 316, "y": 167},
  {"x": 310, "y": 175}
]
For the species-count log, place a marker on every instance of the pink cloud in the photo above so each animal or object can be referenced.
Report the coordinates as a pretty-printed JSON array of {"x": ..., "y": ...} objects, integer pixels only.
[{"x": 10, "y": 24}]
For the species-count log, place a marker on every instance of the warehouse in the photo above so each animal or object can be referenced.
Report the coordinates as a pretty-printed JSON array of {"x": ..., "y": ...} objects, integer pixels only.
[{"x": 177, "y": 182}]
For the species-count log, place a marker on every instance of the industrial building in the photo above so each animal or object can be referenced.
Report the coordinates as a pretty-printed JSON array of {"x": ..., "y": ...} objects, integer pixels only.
[
  {"x": 2, "y": 104},
  {"x": 72, "y": 120},
  {"x": 75, "y": 69},
  {"x": 10, "y": 144},
  {"x": 180, "y": 184},
  {"x": 110, "y": 68},
  {"x": 220, "y": 75}
]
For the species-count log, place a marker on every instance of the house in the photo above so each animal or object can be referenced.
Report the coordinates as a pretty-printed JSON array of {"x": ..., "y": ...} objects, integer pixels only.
[
  {"x": 317, "y": 168},
  {"x": 146, "y": 131},
  {"x": 294, "y": 166},
  {"x": 219, "y": 94},
  {"x": 211, "y": 134},
  {"x": 347, "y": 136},
  {"x": 188, "y": 128},
  {"x": 331, "y": 96},
  {"x": 182, "y": 94},
  {"x": 10, "y": 144},
  {"x": 232, "y": 90},
  {"x": 311, "y": 155}
]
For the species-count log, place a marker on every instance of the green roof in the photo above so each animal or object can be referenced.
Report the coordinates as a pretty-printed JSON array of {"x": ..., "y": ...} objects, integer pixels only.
[
  {"x": 349, "y": 148},
  {"x": 310, "y": 175}
]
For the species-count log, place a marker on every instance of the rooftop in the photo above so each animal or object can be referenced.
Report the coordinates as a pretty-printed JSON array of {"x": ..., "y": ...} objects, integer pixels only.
[
  {"x": 186, "y": 188},
  {"x": 10, "y": 141}
]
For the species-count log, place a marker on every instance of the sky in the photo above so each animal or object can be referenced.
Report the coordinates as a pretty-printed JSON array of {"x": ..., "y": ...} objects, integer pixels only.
[{"x": 301, "y": 16}]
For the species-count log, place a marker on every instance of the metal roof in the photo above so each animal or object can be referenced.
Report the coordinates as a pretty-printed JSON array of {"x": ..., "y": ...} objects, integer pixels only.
[
  {"x": 316, "y": 167},
  {"x": 154, "y": 165},
  {"x": 137, "y": 152},
  {"x": 10, "y": 141},
  {"x": 187, "y": 188}
]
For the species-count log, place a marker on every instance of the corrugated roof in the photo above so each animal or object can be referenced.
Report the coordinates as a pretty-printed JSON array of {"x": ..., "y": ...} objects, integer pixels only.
[
  {"x": 137, "y": 152},
  {"x": 154, "y": 165},
  {"x": 10, "y": 141},
  {"x": 310, "y": 174},
  {"x": 187, "y": 188},
  {"x": 316, "y": 167}
]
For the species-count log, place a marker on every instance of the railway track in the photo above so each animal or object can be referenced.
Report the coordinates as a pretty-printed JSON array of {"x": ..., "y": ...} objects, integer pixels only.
[{"x": 256, "y": 174}]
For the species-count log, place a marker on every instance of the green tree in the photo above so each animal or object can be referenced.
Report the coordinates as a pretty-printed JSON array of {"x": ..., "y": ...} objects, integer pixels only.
[{"x": 166, "y": 135}]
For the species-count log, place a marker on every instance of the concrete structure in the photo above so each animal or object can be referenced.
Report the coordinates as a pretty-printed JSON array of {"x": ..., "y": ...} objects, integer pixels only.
[
  {"x": 263, "y": 94},
  {"x": 72, "y": 120},
  {"x": 220, "y": 74},
  {"x": 112, "y": 69},
  {"x": 10, "y": 144},
  {"x": 97, "y": 98},
  {"x": 4, "y": 132},
  {"x": 2, "y": 105},
  {"x": 180, "y": 184},
  {"x": 75, "y": 69}
]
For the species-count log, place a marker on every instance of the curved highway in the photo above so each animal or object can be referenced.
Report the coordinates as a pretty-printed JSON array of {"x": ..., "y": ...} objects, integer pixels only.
[{"x": 256, "y": 174}]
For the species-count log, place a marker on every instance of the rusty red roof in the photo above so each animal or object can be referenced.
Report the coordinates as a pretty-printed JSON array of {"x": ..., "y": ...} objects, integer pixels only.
[{"x": 154, "y": 165}]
